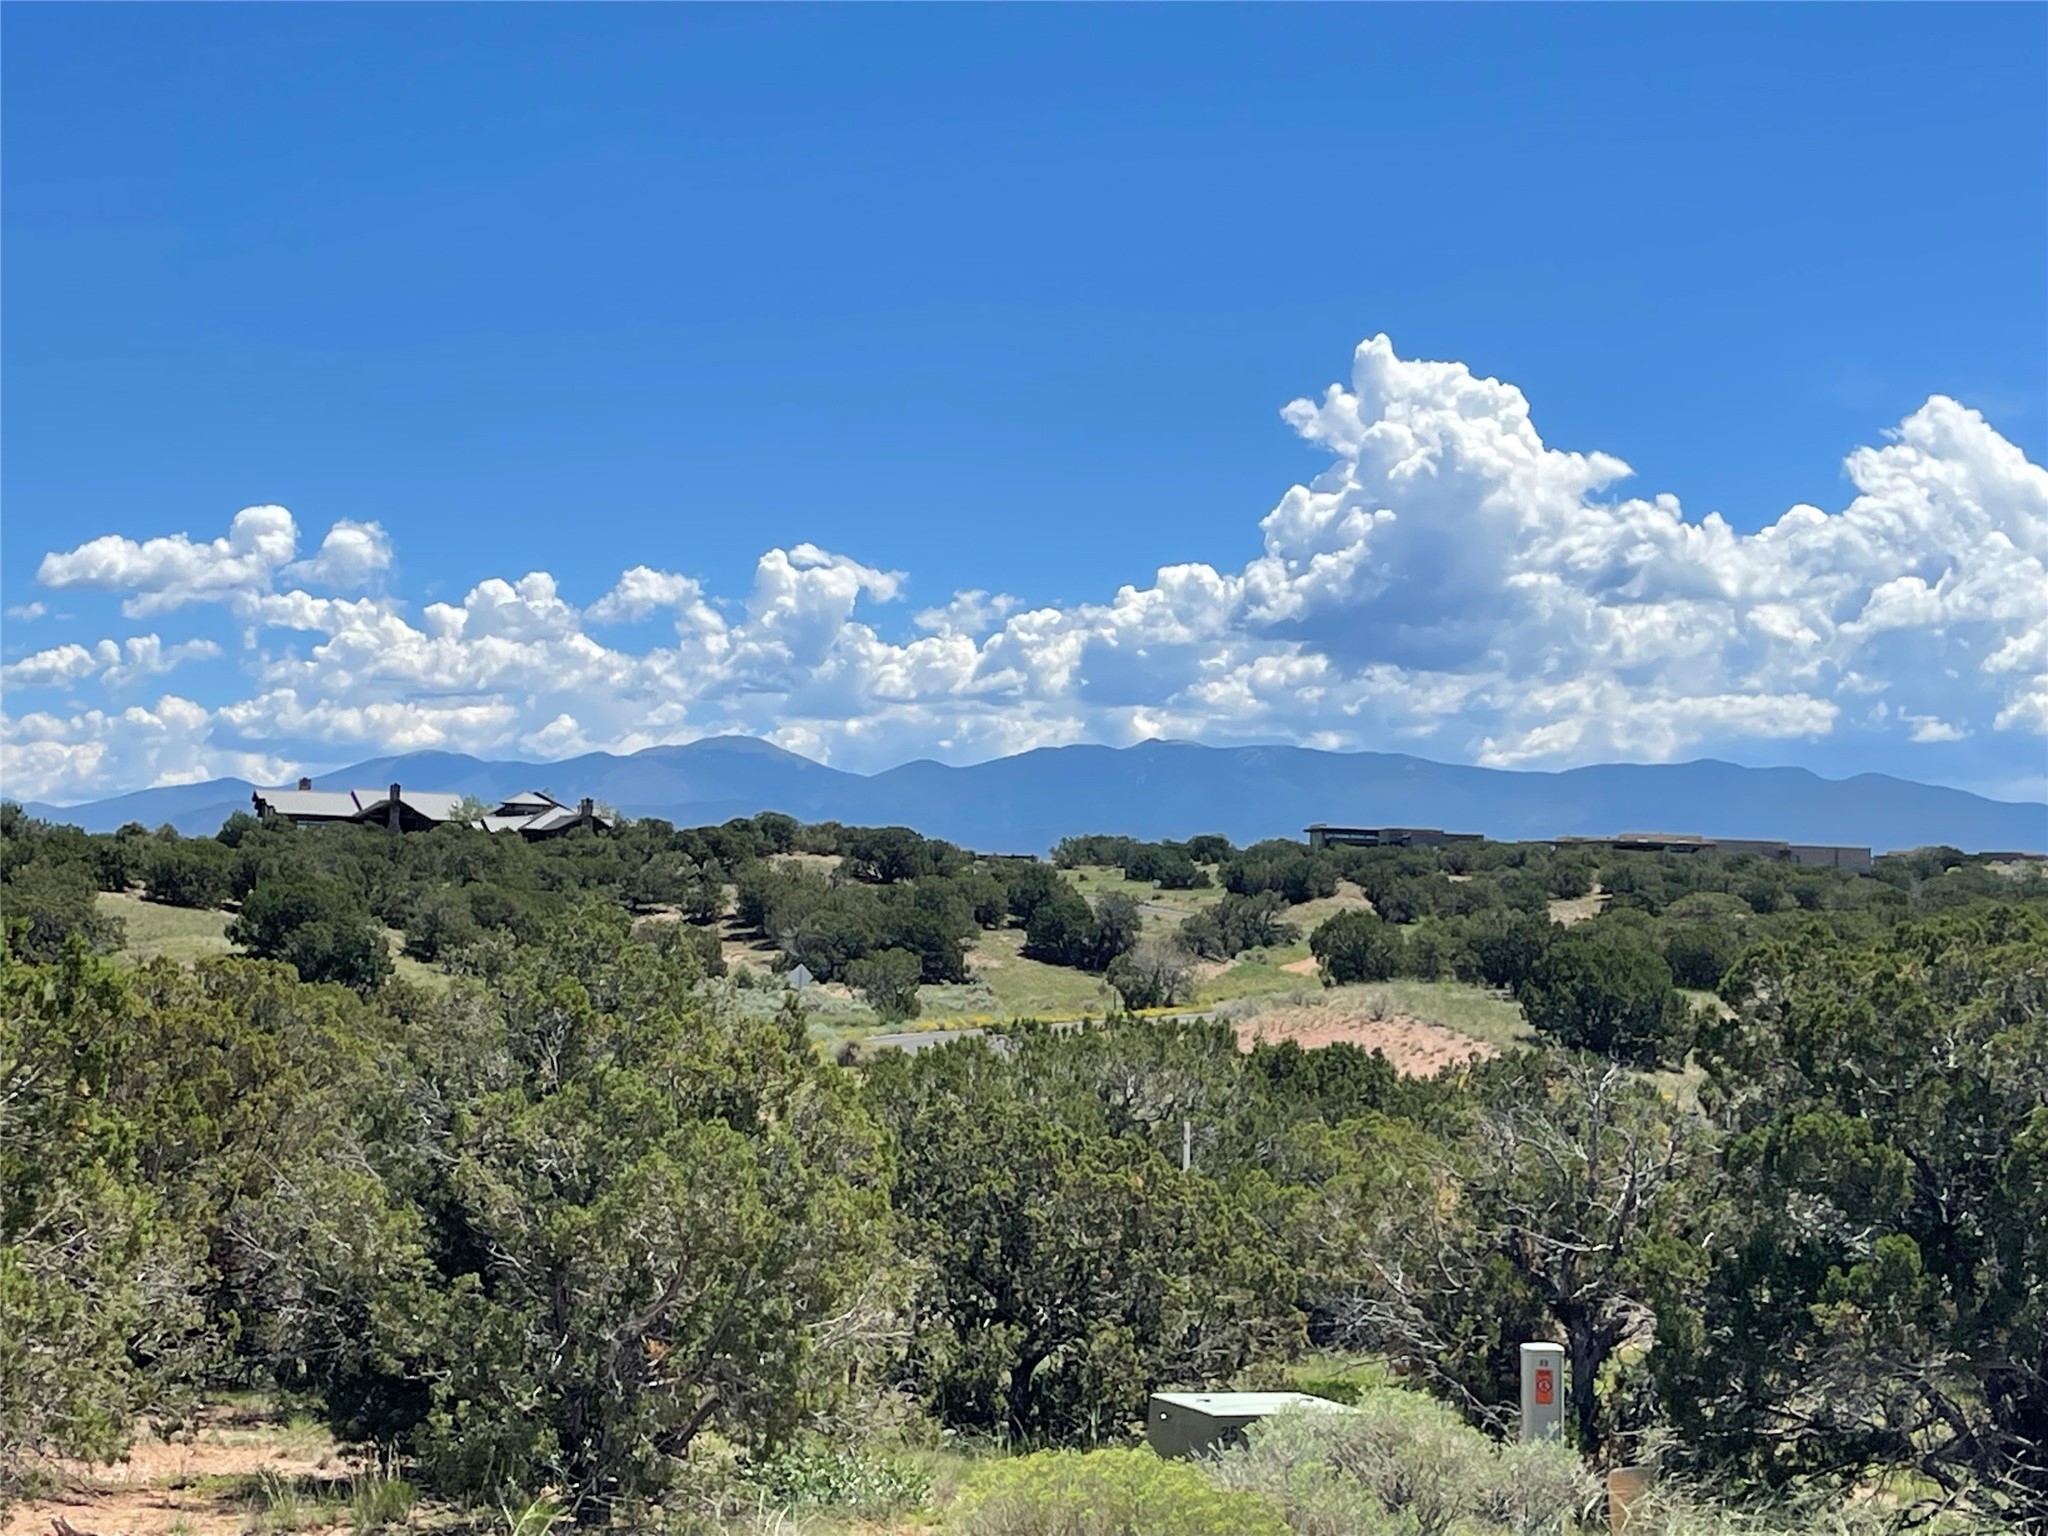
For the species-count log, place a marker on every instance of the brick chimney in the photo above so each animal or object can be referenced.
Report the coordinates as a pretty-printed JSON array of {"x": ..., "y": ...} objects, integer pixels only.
[{"x": 391, "y": 811}]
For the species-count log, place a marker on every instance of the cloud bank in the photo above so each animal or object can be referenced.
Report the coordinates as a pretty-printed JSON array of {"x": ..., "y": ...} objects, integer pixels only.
[{"x": 1449, "y": 585}]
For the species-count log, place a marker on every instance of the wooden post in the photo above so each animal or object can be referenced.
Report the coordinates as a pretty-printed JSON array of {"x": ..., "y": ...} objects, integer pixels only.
[{"x": 1624, "y": 1486}]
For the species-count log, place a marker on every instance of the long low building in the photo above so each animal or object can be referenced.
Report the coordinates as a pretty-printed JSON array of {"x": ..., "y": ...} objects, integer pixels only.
[
  {"x": 533, "y": 814},
  {"x": 1812, "y": 855},
  {"x": 1322, "y": 835}
]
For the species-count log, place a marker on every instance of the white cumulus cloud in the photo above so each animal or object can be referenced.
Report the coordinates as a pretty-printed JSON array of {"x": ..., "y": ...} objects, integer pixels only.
[
  {"x": 118, "y": 666},
  {"x": 162, "y": 574},
  {"x": 1449, "y": 584},
  {"x": 352, "y": 555}
]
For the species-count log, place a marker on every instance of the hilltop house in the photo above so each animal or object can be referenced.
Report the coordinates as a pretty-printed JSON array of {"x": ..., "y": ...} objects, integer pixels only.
[
  {"x": 1323, "y": 835},
  {"x": 532, "y": 814}
]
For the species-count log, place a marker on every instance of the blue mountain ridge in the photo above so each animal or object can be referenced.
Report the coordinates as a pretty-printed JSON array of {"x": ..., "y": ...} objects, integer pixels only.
[{"x": 1026, "y": 803}]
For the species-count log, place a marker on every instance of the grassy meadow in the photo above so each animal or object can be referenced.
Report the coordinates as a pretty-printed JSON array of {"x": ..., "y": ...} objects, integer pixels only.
[
  {"x": 185, "y": 934},
  {"x": 1006, "y": 984}
]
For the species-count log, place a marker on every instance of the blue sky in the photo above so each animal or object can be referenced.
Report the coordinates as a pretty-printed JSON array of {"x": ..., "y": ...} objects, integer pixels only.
[{"x": 1009, "y": 301}]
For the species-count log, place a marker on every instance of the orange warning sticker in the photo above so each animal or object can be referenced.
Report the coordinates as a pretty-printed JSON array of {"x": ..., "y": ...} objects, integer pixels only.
[{"x": 1546, "y": 1385}]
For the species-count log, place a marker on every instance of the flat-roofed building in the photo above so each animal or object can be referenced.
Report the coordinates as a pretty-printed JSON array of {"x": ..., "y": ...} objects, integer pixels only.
[
  {"x": 1831, "y": 856},
  {"x": 1323, "y": 835},
  {"x": 1812, "y": 855}
]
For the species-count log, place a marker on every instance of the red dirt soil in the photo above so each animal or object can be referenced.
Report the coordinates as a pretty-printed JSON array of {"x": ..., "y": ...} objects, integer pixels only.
[
  {"x": 166, "y": 1485},
  {"x": 1414, "y": 1047}
]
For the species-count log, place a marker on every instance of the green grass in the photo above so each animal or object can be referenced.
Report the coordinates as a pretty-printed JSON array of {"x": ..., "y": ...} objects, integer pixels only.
[
  {"x": 1108, "y": 880},
  {"x": 180, "y": 933},
  {"x": 418, "y": 972},
  {"x": 184, "y": 935},
  {"x": 1259, "y": 973},
  {"x": 284, "y": 1503},
  {"x": 1309, "y": 914},
  {"x": 1004, "y": 986},
  {"x": 1007, "y": 985}
]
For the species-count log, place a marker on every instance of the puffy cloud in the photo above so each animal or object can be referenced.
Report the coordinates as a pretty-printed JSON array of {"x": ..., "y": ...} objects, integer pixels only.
[
  {"x": 643, "y": 589},
  {"x": 139, "y": 657},
  {"x": 280, "y": 715},
  {"x": 147, "y": 656},
  {"x": 1933, "y": 728},
  {"x": 352, "y": 555},
  {"x": 26, "y": 613},
  {"x": 529, "y": 609},
  {"x": 59, "y": 665},
  {"x": 163, "y": 574},
  {"x": 166, "y": 573},
  {"x": 47, "y": 756},
  {"x": 1449, "y": 584},
  {"x": 972, "y": 613}
]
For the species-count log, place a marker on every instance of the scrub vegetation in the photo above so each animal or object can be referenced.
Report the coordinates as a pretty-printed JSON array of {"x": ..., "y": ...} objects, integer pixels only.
[{"x": 479, "y": 1184}]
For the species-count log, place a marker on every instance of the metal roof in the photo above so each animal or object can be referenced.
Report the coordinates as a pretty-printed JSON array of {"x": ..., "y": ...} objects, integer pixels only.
[
  {"x": 1242, "y": 1405},
  {"x": 532, "y": 799},
  {"x": 547, "y": 821},
  {"x": 338, "y": 803}
]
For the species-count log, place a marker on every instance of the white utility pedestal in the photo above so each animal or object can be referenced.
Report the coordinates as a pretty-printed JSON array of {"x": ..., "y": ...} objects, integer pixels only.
[{"x": 1542, "y": 1392}]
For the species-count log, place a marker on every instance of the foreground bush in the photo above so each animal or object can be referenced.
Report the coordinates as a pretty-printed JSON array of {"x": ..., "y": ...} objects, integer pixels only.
[
  {"x": 621, "y": 1217},
  {"x": 826, "y": 1477},
  {"x": 1110, "y": 1493},
  {"x": 1679, "y": 1508},
  {"x": 1405, "y": 1465}
]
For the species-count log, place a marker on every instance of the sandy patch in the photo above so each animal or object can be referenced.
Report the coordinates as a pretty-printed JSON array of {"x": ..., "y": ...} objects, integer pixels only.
[
  {"x": 1576, "y": 909},
  {"x": 170, "y": 1485},
  {"x": 1302, "y": 967},
  {"x": 1414, "y": 1047}
]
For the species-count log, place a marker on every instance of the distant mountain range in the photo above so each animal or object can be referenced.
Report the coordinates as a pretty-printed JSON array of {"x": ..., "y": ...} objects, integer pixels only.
[{"x": 1026, "y": 803}]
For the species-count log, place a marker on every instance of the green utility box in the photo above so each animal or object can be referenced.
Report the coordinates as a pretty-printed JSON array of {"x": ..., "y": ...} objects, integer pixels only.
[{"x": 1202, "y": 1423}]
